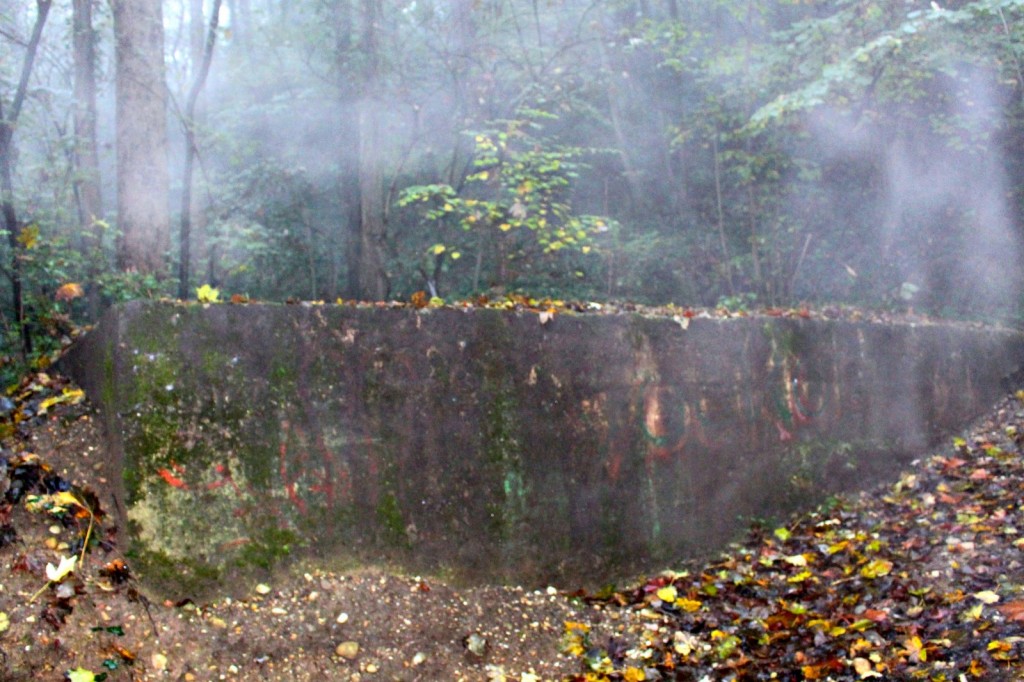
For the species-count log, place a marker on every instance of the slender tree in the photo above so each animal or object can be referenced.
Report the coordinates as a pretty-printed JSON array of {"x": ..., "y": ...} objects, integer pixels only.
[
  {"x": 143, "y": 183},
  {"x": 372, "y": 277},
  {"x": 185, "y": 232}
]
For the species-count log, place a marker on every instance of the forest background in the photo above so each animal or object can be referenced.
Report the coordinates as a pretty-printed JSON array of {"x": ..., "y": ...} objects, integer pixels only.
[{"x": 717, "y": 153}]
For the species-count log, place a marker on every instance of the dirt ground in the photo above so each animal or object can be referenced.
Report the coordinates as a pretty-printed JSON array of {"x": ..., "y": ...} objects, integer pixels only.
[
  {"x": 299, "y": 624},
  {"x": 923, "y": 579}
]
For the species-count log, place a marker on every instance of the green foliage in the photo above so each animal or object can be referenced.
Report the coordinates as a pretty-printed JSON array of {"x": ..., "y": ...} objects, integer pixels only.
[
  {"x": 694, "y": 152},
  {"x": 516, "y": 201}
]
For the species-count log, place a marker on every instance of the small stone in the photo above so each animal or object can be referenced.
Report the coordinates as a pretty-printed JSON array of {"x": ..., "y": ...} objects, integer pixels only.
[
  {"x": 159, "y": 662},
  {"x": 342, "y": 618},
  {"x": 278, "y": 611},
  {"x": 55, "y": 529},
  {"x": 348, "y": 650},
  {"x": 218, "y": 622},
  {"x": 371, "y": 668},
  {"x": 263, "y": 588},
  {"x": 417, "y": 659}
]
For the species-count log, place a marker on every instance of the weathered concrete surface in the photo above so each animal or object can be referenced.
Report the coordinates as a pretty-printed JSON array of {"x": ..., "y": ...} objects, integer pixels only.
[{"x": 484, "y": 444}]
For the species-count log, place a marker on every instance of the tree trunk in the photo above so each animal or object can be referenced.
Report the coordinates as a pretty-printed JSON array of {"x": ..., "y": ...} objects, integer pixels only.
[
  {"x": 87, "y": 184},
  {"x": 373, "y": 281},
  {"x": 202, "y": 67},
  {"x": 351, "y": 202},
  {"x": 88, "y": 195},
  {"x": 143, "y": 182}
]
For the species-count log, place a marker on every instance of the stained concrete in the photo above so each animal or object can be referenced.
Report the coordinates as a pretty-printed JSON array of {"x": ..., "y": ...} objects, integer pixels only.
[{"x": 486, "y": 445}]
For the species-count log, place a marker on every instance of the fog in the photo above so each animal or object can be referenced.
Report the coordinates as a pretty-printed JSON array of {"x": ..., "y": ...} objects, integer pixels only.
[{"x": 894, "y": 188}]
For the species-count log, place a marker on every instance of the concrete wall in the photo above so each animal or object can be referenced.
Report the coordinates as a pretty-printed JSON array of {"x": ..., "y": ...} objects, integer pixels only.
[{"x": 486, "y": 445}]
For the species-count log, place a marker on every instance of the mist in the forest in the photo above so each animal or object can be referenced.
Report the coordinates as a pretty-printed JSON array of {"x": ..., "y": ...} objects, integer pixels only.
[
  {"x": 943, "y": 223},
  {"x": 316, "y": 116}
]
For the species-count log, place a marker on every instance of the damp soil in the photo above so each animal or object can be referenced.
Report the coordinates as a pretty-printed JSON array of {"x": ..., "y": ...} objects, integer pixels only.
[{"x": 298, "y": 623}]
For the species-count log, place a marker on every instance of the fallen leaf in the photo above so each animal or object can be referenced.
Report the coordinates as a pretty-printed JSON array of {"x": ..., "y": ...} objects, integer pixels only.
[
  {"x": 986, "y": 597},
  {"x": 863, "y": 667},
  {"x": 796, "y": 560},
  {"x": 57, "y": 573},
  {"x": 171, "y": 479},
  {"x": 84, "y": 675},
  {"x": 1013, "y": 610},
  {"x": 980, "y": 475},
  {"x": 667, "y": 594},
  {"x": 207, "y": 294},
  {"x": 876, "y": 569}
]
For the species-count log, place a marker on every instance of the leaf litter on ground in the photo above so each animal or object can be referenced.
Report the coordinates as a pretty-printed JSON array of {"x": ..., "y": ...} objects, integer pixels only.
[{"x": 918, "y": 580}]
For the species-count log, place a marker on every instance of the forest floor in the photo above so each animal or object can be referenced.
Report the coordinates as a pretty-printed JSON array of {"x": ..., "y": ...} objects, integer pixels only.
[{"x": 920, "y": 579}]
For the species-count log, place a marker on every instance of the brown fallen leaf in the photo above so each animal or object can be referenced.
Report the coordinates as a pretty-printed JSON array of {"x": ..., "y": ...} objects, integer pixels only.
[{"x": 1012, "y": 610}]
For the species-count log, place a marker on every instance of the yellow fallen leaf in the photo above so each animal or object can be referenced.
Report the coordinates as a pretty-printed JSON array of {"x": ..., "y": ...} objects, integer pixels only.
[
  {"x": 986, "y": 597},
  {"x": 80, "y": 675},
  {"x": 667, "y": 594},
  {"x": 57, "y": 573},
  {"x": 876, "y": 569},
  {"x": 207, "y": 294},
  {"x": 70, "y": 396},
  {"x": 915, "y": 648},
  {"x": 796, "y": 560},
  {"x": 800, "y": 577},
  {"x": 633, "y": 675},
  {"x": 689, "y": 605}
]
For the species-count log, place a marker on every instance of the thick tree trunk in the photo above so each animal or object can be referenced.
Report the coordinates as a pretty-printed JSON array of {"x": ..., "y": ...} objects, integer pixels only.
[
  {"x": 143, "y": 183},
  {"x": 88, "y": 195},
  {"x": 87, "y": 167}
]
